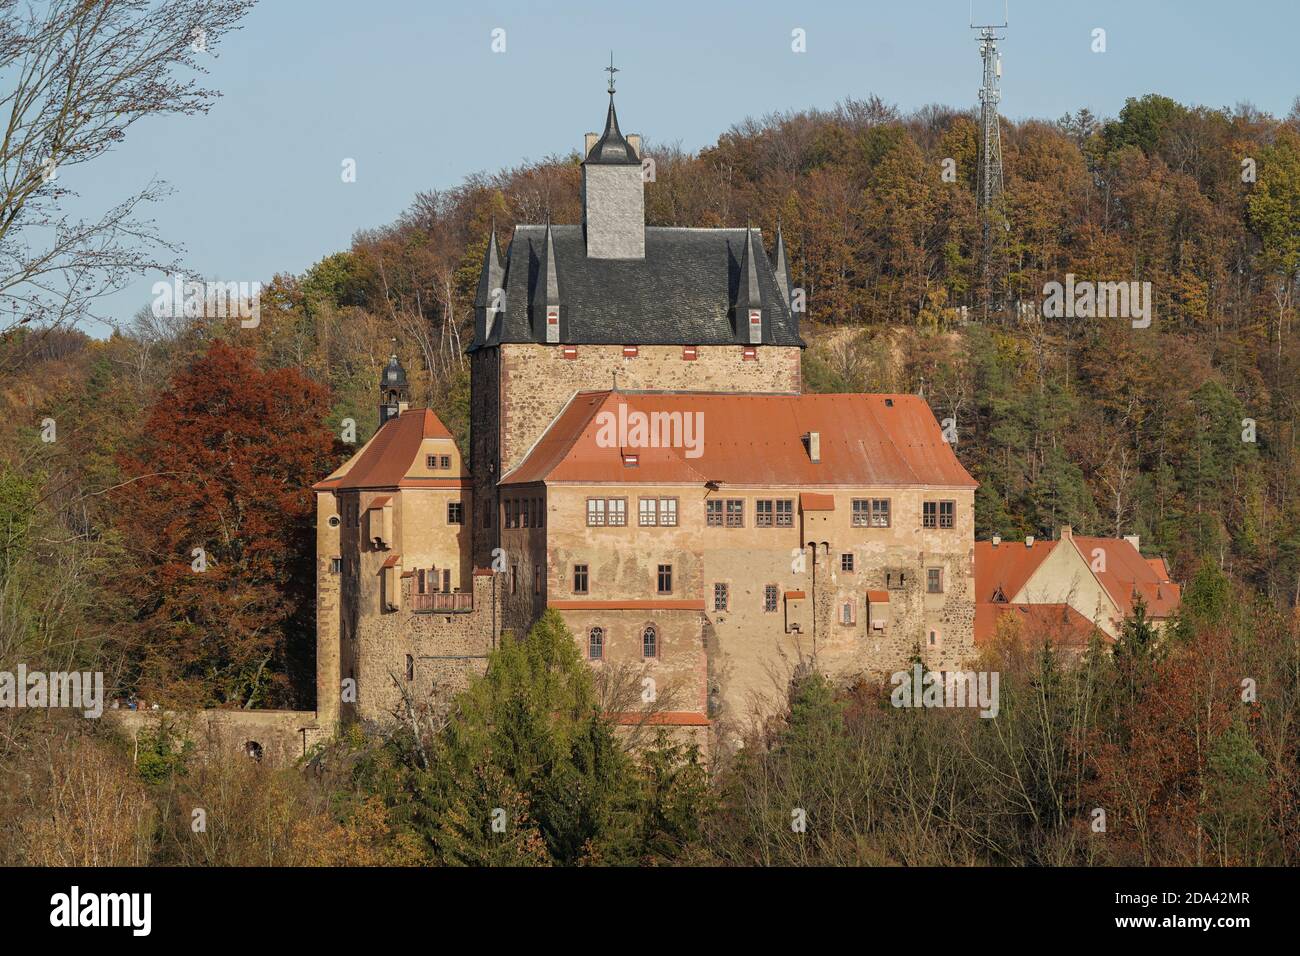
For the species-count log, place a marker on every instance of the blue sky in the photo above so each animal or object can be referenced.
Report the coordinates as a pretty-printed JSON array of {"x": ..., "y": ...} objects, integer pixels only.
[{"x": 412, "y": 91}]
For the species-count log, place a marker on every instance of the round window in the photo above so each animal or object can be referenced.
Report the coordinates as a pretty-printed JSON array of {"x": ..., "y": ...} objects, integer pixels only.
[{"x": 334, "y": 521}]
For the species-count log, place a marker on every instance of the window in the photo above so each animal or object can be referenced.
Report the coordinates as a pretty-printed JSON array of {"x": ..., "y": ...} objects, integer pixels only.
[
  {"x": 934, "y": 638},
  {"x": 719, "y": 597},
  {"x": 616, "y": 510},
  {"x": 509, "y": 508},
  {"x": 735, "y": 513},
  {"x": 514, "y": 579},
  {"x": 525, "y": 509},
  {"x": 629, "y": 351},
  {"x": 487, "y": 517},
  {"x": 579, "y": 579},
  {"x": 846, "y": 561},
  {"x": 938, "y": 514},
  {"x": 750, "y": 354},
  {"x": 437, "y": 461},
  {"x": 595, "y": 511},
  {"x": 689, "y": 353},
  {"x": 455, "y": 512},
  {"x": 631, "y": 460},
  {"x": 713, "y": 513},
  {"x": 763, "y": 512},
  {"x": 668, "y": 512},
  {"x": 537, "y": 580},
  {"x": 541, "y": 512},
  {"x": 769, "y": 598},
  {"x": 934, "y": 580},
  {"x": 649, "y": 642},
  {"x": 665, "y": 579},
  {"x": 657, "y": 511},
  {"x": 336, "y": 565},
  {"x": 410, "y": 667},
  {"x": 596, "y": 643},
  {"x": 871, "y": 512},
  {"x": 894, "y": 580},
  {"x": 785, "y": 513}
]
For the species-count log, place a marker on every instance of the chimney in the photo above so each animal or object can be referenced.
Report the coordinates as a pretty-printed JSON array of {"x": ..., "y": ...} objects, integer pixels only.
[
  {"x": 997, "y": 540},
  {"x": 814, "y": 442},
  {"x": 1135, "y": 541},
  {"x": 1029, "y": 541},
  {"x": 1066, "y": 532}
]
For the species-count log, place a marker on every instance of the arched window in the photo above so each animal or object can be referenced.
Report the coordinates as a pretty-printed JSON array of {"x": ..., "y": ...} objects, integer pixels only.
[
  {"x": 596, "y": 643},
  {"x": 649, "y": 642},
  {"x": 253, "y": 749}
]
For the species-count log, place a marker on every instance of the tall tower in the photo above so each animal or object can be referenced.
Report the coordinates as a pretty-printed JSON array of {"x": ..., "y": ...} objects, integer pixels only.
[{"x": 988, "y": 185}]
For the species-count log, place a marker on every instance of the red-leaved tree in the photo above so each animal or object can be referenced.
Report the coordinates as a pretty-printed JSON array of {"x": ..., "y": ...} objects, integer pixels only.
[{"x": 219, "y": 517}]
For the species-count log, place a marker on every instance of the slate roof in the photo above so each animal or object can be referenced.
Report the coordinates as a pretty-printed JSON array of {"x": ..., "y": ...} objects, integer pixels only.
[
  {"x": 612, "y": 149},
  {"x": 684, "y": 292}
]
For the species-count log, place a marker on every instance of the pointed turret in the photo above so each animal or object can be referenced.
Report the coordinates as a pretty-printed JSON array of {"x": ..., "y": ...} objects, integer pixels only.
[
  {"x": 749, "y": 303},
  {"x": 394, "y": 393},
  {"x": 489, "y": 301},
  {"x": 782, "y": 266},
  {"x": 552, "y": 303}
]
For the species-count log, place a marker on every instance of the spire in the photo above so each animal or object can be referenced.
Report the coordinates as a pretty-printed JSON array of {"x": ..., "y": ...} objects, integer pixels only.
[
  {"x": 613, "y": 148},
  {"x": 782, "y": 266},
  {"x": 749, "y": 303},
  {"x": 552, "y": 302},
  {"x": 489, "y": 299}
]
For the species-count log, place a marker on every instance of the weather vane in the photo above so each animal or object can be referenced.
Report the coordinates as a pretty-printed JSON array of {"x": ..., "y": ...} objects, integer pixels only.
[{"x": 611, "y": 70}]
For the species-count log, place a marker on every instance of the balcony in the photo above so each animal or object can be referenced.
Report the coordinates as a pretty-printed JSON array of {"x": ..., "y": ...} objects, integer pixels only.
[{"x": 443, "y": 602}]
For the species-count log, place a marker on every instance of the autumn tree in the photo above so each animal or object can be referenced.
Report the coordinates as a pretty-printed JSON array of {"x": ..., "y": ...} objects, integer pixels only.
[{"x": 218, "y": 515}]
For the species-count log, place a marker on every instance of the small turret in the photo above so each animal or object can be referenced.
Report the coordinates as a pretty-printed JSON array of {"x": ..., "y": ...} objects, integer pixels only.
[
  {"x": 394, "y": 393},
  {"x": 749, "y": 303}
]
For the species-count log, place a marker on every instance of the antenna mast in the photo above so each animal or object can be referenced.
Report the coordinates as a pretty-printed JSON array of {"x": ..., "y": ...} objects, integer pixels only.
[{"x": 988, "y": 187}]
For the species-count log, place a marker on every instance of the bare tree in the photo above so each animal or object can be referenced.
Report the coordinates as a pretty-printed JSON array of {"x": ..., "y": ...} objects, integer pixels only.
[{"x": 82, "y": 72}]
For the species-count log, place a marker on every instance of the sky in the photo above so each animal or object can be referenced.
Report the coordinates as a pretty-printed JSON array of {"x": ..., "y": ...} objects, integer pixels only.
[{"x": 413, "y": 92}]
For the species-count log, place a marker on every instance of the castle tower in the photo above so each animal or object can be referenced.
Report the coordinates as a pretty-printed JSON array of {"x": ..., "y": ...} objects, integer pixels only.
[
  {"x": 575, "y": 306},
  {"x": 613, "y": 190}
]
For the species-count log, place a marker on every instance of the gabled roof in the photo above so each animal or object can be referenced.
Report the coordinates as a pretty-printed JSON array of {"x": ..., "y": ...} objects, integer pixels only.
[
  {"x": 1061, "y": 623},
  {"x": 684, "y": 292},
  {"x": 1006, "y": 566},
  {"x": 385, "y": 460},
  {"x": 1128, "y": 575},
  {"x": 866, "y": 441}
]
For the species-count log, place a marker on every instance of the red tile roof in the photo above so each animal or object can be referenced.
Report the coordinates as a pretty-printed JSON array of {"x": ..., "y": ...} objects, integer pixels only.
[
  {"x": 878, "y": 597},
  {"x": 1129, "y": 575},
  {"x": 390, "y": 453},
  {"x": 664, "y": 719},
  {"x": 1007, "y": 566},
  {"x": 866, "y": 441},
  {"x": 1061, "y": 623},
  {"x": 809, "y": 501}
]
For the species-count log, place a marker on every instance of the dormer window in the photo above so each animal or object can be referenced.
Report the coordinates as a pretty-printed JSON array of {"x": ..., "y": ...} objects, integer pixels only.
[{"x": 755, "y": 325}]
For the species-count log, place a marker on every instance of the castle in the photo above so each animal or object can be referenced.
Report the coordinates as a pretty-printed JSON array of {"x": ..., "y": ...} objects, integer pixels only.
[{"x": 643, "y": 460}]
